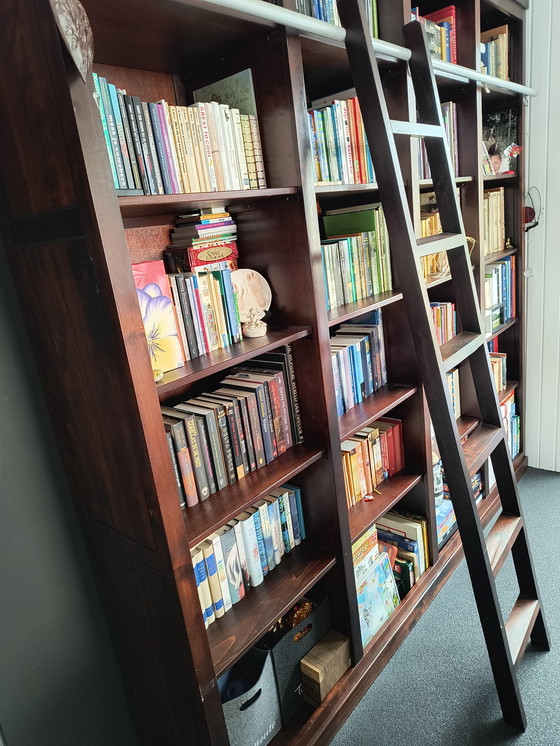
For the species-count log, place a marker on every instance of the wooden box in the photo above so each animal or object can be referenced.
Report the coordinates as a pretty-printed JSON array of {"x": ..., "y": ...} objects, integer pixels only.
[{"x": 324, "y": 665}]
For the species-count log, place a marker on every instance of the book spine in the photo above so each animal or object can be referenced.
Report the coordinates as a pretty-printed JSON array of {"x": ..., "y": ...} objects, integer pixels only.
[
  {"x": 249, "y": 152},
  {"x": 167, "y": 135},
  {"x": 129, "y": 140},
  {"x": 129, "y": 103},
  {"x": 284, "y": 522},
  {"x": 213, "y": 579},
  {"x": 196, "y": 458},
  {"x": 105, "y": 128},
  {"x": 181, "y": 158},
  {"x": 142, "y": 132},
  {"x": 188, "y": 147},
  {"x": 251, "y": 550},
  {"x": 240, "y": 149},
  {"x": 231, "y": 310},
  {"x": 198, "y": 149},
  {"x": 298, "y": 429},
  {"x": 198, "y": 322},
  {"x": 113, "y": 135},
  {"x": 220, "y": 556},
  {"x": 200, "y": 572},
  {"x": 184, "y": 462},
  {"x": 207, "y": 146},
  {"x": 241, "y": 553},
  {"x": 158, "y": 180},
  {"x": 260, "y": 539},
  {"x": 187, "y": 315},
  {"x": 216, "y": 449},
  {"x": 232, "y": 568},
  {"x": 231, "y": 154},
  {"x": 120, "y": 133},
  {"x": 267, "y": 534},
  {"x": 234, "y": 439},
  {"x": 160, "y": 149},
  {"x": 205, "y": 452},
  {"x": 294, "y": 516},
  {"x": 274, "y": 521},
  {"x": 257, "y": 148},
  {"x": 207, "y": 310},
  {"x": 179, "y": 314},
  {"x": 256, "y": 432},
  {"x": 175, "y": 469}
]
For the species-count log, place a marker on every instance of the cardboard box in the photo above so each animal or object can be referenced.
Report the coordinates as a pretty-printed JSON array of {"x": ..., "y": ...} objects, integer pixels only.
[
  {"x": 290, "y": 649},
  {"x": 324, "y": 665},
  {"x": 252, "y": 718}
]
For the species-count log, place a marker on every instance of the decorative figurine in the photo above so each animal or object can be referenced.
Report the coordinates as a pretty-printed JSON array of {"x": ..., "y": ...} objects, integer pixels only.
[{"x": 253, "y": 326}]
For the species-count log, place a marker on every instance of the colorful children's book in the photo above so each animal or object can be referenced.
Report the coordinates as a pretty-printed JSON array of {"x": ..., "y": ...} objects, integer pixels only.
[{"x": 377, "y": 597}]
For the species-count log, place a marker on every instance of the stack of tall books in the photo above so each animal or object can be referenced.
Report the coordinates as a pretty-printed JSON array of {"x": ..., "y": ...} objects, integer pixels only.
[
  {"x": 441, "y": 32},
  {"x": 495, "y": 52},
  {"x": 370, "y": 456},
  {"x": 449, "y": 115},
  {"x": 498, "y": 363},
  {"x": 239, "y": 555},
  {"x": 356, "y": 256},
  {"x": 358, "y": 360},
  {"x": 339, "y": 144},
  {"x": 160, "y": 148},
  {"x": 444, "y": 317},
  {"x": 220, "y": 436},
  {"x": 500, "y": 293},
  {"x": 494, "y": 225}
]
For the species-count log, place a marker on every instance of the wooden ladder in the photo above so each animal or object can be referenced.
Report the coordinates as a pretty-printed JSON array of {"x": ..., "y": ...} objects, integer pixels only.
[{"x": 506, "y": 642}]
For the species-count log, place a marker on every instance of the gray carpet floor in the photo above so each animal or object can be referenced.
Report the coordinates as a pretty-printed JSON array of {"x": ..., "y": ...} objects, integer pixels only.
[{"x": 438, "y": 688}]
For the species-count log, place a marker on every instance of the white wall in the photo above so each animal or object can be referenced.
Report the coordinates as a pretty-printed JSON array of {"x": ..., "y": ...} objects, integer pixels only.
[{"x": 542, "y": 421}]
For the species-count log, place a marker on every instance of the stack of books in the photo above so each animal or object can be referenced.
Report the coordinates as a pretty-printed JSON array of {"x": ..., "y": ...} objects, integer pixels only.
[
  {"x": 441, "y": 32},
  {"x": 495, "y": 52},
  {"x": 339, "y": 144},
  {"x": 358, "y": 360},
  {"x": 449, "y": 115},
  {"x": 159, "y": 148},
  {"x": 220, "y": 436},
  {"x": 326, "y": 10},
  {"x": 494, "y": 225},
  {"x": 445, "y": 320},
  {"x": 500, "y": 293},
  {"x": 498, "y": 363},
  {"x": 370, "y": 456},
  {"x": 239, "y": 555},
  {"x": 409, "y": 533},
  {"x": 512, "y": 424}
]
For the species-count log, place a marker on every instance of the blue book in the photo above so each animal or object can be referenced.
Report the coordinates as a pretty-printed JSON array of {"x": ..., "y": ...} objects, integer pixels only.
[
  {"x": 160, "y": 148},
  {"x": 299, "y": 504},
  {"x": 260, "y": 539},
  {"x": 105, "y": 127},
  {"x": 120, "y": 133},
  {"x": 295, "y": 511},
  {"x": 231, "y": 307}
]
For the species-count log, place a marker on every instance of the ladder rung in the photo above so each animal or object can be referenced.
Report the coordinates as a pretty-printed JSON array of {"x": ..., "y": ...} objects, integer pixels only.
[
  {"x": 480, "y": 444},
  {"x": 459, "y": 348},
  {"x": 414, "y": 129},
  {"x": 520, "y": 625},
  {"x": 501, "y": 539},
  {"x": 439, "y": 242}
]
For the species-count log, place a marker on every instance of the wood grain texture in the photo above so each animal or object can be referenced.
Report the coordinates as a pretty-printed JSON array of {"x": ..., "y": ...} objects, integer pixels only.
[{"x": 500, "y": 540}]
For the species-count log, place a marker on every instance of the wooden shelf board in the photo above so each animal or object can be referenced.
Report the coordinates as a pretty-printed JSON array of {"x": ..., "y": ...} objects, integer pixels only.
[
  {"x": 438, "y": 281},
  {"x": 497, "y": 179},
  {"x": 313, "y": 727},
  {"x": 456, "y": 349},
  {"x": 459, "y": 181},
  {"x": 219, "y": 508},
  {"x": 520, "y": 625},
  {"x": 502, "y": 328},
  {"x": 496, "y": 255},
  {"x": 351, "y": 310},
  {"x": 466, "y": 425},
  {"x": 176, "y": 381},
  {"x": 511, "y": 386},
  {"x": 336, "y": 189},
  {"x": 140, "y": 206},
  {"x": 375, "y": 406},
  {"x": 480, "y": 445},
  {"x": 365, "y": 514},
  {"x": 233, "y": 634}
]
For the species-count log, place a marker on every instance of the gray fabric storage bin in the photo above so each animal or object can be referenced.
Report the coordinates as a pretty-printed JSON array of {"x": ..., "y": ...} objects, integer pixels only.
[
  {"x": 287, "y": 653},
  {"x": 253, "y": 718}
]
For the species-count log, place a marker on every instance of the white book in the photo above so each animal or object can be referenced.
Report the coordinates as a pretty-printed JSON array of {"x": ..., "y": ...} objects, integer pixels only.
[
  {"x": 220, "y": 564},
  {"x": 198, "y": 149},
  {"x": 188, "y": 147},
  {"x": 222, "y": 155},
  {"x": 172, "y": 151},
  {"x": 251, "y": 548},
  {"x": 407, "y": 528},
  {"x": 208, "y": 157},
  {"x": 241, "y": 551},
  {"x": 240, "y": 149},
  {"x": 274, "y": 518},
  {"x": 204, "y": 587},
  {"x": 229, "y": 138},
  {"x": 284, "y": 499},
  {"x": 213, "y": 131},
  {"x": 257, "y": 148},
  {"x": 262, "y": 507},
  {"x": 213, "y": 579}
]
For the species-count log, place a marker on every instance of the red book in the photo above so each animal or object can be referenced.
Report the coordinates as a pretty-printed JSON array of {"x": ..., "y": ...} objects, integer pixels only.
[{"x": 448, "y": 15}]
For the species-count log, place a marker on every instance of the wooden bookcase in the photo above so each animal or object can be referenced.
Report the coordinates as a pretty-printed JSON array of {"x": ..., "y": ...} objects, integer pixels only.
[{"x": 71, "y": 241}]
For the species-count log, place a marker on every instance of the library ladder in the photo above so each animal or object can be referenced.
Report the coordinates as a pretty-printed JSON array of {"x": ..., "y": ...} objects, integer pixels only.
[{"x": 506, "y": 642}]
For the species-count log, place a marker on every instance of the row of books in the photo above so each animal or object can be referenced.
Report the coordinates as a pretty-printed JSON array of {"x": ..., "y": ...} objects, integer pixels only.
[
  {"x": 220, "y": 436},
  {"x": 436, "y": 265},
  {"x": 376, "y": 588},
  {"x": 494, "y": 224},
  {"x": 446, "y": 522},
  {"x": 449, "y": 115},
  {"x": 498, "y": 364},
  {"x": 202, "y": 237},
  {"x": 445, "y": 320},
  {"x": 159, "y": 148},
  {"x": 441, "y": 32},
  {"x": 326, "y": 10},
  {"x": 453, "y": 384},
  {"x": 355, "y": 254},
  {"x": 494, "y": 52},
  {"x": 500, "y": 292},
  {"x": 359, "y": 362},
  {"x": 339, "y": 144},
  {"x": 512, "y": 424},
  {"x": 239, "y": 555},
  {"x": 370, "y": 456}
]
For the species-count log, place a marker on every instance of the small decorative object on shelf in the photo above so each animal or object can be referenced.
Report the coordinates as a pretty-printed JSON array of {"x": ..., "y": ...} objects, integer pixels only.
[{"x": 254, "y": 326}]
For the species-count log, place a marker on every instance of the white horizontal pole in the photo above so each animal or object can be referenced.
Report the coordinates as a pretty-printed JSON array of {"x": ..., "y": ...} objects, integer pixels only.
[{"x": 265, "y": 11}]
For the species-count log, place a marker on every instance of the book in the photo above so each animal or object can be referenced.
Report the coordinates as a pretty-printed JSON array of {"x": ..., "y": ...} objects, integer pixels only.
[
  {"x": 378, "y": 597},
  {"x": 254, "y": 512},
  {"x": 184, "y": 462},
  {"x": 236, "y": 525},
  {"x": 156, "y": 308},
  {"x": 171, "y": 450},
  {"x": 201, "y": 577},
  {"x": 213, "y": 578},
  {"x": 194, "y": 446},
  {"x": 232, "y": 566},
  {"x": 251, "y": 546},
  {"x": 207, "y": 413}
]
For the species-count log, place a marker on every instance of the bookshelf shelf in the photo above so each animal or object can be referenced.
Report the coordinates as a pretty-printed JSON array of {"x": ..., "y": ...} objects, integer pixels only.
[
  {"x": 511, "y": 386},
  {"x": 366, "y": 513},
  {"x": 177, "y": 381},
  {"x": 233, "y": 634},
  {"x": 501, "y": 329},
  {"x": 352, "y": 310},
  {"x": 145, "y": 205},
  {"x": 76, "y": 265},
  {"x": 222, "y": 506},
  {"x": 375, "y": 406}
]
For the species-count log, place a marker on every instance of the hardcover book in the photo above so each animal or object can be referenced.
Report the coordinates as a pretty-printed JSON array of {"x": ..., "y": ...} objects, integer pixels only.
[{"x": 377, "y": 597}]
